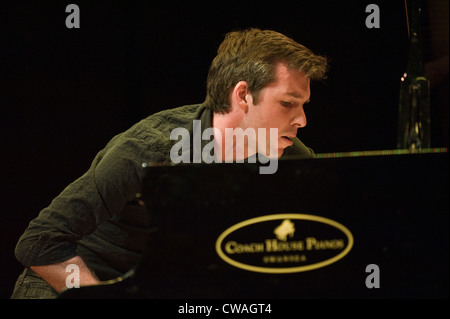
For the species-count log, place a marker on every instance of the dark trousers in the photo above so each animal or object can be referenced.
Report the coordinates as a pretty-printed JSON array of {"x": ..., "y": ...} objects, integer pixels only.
[{"x": 29, "y": 285}]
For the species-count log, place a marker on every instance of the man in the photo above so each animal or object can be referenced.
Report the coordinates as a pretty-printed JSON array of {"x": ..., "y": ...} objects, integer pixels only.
[{"x": 260, "y": 79}]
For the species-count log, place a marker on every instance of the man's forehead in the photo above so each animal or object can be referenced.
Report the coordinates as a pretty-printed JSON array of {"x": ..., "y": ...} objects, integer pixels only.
[
  {"x": 289, "y": 83},
  {"x": 283, "y": 70},
  {"x": 294, "y": 88},
  {"x": 292, "y": 77}
]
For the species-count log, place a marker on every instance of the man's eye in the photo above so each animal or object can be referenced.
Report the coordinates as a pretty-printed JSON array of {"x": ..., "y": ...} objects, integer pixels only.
[{"x": 286, "y": 103}]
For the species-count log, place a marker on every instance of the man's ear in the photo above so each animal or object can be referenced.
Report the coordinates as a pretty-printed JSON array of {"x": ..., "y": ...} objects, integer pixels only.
[{"x": 240, "y": 95}]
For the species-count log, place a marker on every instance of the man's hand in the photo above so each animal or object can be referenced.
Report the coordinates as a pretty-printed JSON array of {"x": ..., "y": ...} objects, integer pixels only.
[{"x": 55, "y": 275}]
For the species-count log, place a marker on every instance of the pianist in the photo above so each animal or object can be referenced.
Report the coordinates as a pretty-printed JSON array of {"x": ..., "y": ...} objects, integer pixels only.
[{"x": 258, "y": 79}]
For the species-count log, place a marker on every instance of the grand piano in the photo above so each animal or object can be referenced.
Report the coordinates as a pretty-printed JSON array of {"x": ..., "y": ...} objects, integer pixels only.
[{"x": 366, "y": 225}]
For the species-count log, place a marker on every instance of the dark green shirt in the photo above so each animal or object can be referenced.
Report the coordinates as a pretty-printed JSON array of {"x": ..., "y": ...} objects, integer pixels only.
[{"x": 98, "y": 215}]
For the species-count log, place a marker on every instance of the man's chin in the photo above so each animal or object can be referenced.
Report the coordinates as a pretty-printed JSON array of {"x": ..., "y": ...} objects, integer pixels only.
[{"x": 280, "y": 152}]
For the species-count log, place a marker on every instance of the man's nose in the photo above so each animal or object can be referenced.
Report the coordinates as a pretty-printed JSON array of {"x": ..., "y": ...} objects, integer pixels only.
[{"x": 300, "y": 118}]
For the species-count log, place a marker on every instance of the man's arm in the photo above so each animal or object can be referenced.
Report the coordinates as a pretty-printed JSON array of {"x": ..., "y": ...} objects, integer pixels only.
[{"x": 55, "y": 275}]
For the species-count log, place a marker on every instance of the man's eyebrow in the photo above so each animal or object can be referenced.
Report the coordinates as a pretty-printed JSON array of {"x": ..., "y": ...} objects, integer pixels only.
[{"x": 297, "y": 96}]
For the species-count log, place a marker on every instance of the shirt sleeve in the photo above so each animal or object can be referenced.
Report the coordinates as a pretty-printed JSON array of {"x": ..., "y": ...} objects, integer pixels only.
[{"x": 113, "y": 179}]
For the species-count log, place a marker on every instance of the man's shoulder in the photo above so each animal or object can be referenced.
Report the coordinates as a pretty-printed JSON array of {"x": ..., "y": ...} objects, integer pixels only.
[
  {"x": 299, "y": 149},
  {"x": 180, "y": 113},
  {"x": 153, "y": 132},
  {"x": 162, "y": 122}
]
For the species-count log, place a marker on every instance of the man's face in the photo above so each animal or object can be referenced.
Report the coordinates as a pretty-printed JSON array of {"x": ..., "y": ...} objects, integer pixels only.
[{"x": 280, "y": 106}]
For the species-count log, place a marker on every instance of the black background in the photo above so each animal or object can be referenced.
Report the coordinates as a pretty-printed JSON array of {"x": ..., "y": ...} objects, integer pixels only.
[{"x": 65, "y": 92}]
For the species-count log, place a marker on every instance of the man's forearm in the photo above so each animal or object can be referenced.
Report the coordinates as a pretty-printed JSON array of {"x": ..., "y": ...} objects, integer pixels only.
[{"x": 56, "y": 274}]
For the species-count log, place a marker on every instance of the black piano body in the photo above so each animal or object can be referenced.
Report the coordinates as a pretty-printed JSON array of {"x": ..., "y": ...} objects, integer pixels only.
[{"x": 393, "y": 207}]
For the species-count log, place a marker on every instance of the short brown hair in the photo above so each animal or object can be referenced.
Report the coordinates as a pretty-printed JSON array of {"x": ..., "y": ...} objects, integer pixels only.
[{"x": 251, "y": 55}]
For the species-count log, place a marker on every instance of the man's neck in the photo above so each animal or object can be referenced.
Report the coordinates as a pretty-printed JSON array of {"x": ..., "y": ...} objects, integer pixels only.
[{"x": 229, "y": 132}]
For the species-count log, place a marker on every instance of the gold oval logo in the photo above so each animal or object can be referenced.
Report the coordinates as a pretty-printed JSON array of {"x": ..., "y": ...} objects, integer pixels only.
[{"x": 284, "y": 243}]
